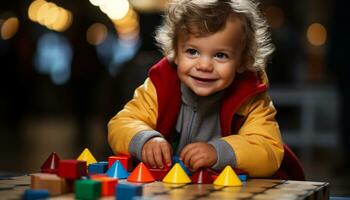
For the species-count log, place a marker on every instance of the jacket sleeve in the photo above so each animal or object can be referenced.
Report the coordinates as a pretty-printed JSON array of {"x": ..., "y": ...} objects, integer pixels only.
[
  {"x": 258, "y": 145},
  {"x": 138, "y": 115}
]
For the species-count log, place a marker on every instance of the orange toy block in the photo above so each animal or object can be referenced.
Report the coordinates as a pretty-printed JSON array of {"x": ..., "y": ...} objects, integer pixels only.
[
  {"x": 107, "y": 185},
  {"x": 51, "y": 182},
  {"x": 124, "y": 159},
  {"x": 72, "y": 169}
]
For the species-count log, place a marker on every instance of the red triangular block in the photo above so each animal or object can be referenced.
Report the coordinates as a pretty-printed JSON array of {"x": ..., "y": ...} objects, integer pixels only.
[
  {"x": 51, "y": 164},
  {"x": 202, "y": 177},
  {"x": 141, "y": 174}
]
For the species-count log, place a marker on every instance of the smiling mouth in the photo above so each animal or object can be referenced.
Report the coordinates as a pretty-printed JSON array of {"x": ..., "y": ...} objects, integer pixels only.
[{"x": 203, "y": 79}]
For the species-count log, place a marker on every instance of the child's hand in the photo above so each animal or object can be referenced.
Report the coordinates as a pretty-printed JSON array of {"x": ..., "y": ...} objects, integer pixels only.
[
  {"x": 155, "y": 151},
  {"x": 197, "y": 155}
]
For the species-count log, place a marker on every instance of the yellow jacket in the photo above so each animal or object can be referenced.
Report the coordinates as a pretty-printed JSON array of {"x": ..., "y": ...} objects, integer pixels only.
[{"x": 257, "y": 144}]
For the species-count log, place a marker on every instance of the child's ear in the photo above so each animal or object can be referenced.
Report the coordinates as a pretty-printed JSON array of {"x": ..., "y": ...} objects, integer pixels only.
[
  {"x": 175, "y": 60},
  {"x": 240, "y": 69}
]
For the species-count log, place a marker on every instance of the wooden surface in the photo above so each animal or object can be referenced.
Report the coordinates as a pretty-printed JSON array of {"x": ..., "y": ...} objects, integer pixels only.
[{"x": 14, "y": 187}]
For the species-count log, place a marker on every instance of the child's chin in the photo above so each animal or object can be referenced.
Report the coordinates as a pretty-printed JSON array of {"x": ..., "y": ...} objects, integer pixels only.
[{"x": 203, "y": 93}]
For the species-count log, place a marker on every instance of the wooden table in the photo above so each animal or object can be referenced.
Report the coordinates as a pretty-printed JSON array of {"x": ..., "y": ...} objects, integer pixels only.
[{"x": 14, "y": 187}]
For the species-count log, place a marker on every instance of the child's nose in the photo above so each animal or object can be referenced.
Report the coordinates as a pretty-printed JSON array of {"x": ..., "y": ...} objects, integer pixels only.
[{"x": 205, "y": 64}]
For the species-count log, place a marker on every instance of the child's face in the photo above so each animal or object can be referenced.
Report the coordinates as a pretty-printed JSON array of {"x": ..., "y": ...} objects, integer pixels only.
[{"x": 207, "y": 64}]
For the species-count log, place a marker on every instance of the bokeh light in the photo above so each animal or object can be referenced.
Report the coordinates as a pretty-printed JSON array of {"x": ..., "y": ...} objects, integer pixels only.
[
  {"x": 64, "y": 20},
  {"x": 96, "y": 34},
  {"x": 149, "y": 5},
  {"x": 114, "y": 52},
  {"x": 9, "y": 28},
  {"x": 50, "y": 15},
  {"x": 54, "y": 57},
  {"x": 115, "y": 9},
  {"x": 317, "y": 34},
  {"x": 34, "y": 9},
  {"x": 96, "y": 2}
]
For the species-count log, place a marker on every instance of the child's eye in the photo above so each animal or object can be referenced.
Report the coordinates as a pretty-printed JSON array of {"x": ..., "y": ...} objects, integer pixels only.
[
  {"x": 221, "y": 55},
  {"x": 192, "y": 52}
]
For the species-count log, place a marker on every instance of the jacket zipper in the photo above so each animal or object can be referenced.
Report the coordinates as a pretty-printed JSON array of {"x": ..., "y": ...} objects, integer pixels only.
[{"x": 189, "y": 130}]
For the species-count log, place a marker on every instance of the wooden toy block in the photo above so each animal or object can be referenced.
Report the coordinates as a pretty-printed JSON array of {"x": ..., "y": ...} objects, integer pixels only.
[
  {"x": 107, "y": 185},
  {"x": 128, "y": 191},
  {"x": 69, "y": 185},
  {"x": 51, "y": 182},
  {"x": 98, "y": 168},
  {"x": 87, "y": 189},
  {"x": 126, "y": 161},
  {"x": 35, "y": 194},
  {"x": 72, "y": 169},
  {"x": 51, "y": 164}
]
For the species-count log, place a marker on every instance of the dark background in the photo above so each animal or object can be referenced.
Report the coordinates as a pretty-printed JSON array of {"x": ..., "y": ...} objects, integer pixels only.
[{"x": 38, "y": 116}]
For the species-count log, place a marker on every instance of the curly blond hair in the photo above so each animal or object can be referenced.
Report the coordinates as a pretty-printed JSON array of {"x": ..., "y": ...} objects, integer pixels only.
[{"x": 209, "y": 16}]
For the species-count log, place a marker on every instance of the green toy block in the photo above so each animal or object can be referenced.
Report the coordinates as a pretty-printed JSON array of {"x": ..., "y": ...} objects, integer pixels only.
[{"x": 87, "y": 189}]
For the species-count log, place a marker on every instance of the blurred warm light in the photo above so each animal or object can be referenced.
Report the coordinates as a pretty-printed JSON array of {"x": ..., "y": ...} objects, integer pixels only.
[
  {"x": 9, "y": 28},
  {"x": 63, "y": 21},
  {"x": 50, "y": 15},
  {"x": 115, "y": 9},
  {"x": 96, "y": 34},
  {"x": 43, "y": 12},
  {"x": 128, "y": 29},
  {"x": 96, "y": 2},
  {"x": 130, "y": 19},
  {"x": 144, "y": 5},
  {"x": 129, "y": 23},
  {"x": 34, "y": 8},
  {"x": 149, "y": 5},
  {"x": 274, "y": 16},
  {"x": 317, "y": 34},
  {"x": 114, "y": 51}
]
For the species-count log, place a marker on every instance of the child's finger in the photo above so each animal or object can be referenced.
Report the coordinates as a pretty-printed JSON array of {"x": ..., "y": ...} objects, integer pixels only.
[
  {"x": 189, "y": 154},
  {"x": 158, "y": 158},
  {"x": 144, "y": 157},
  {"x": 195, "y": 160},
  {"x": 166, "y": 152},
  {"x": 150, "y": 158},
  {"x": 184, "y": 151},
  {"x": 197, "y": 163}
]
